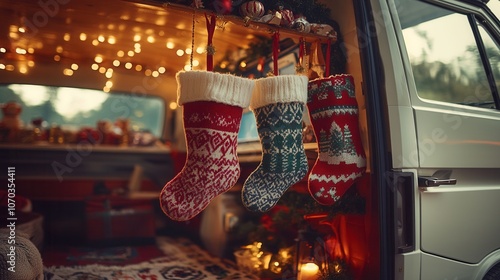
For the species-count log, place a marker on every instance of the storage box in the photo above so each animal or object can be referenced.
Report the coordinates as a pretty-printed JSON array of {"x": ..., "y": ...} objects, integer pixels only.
[{"x": 112, "y": 219}]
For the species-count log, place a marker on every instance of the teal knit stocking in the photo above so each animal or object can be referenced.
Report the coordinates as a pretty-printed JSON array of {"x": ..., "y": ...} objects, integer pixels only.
[{"x": 284, "y": 162}]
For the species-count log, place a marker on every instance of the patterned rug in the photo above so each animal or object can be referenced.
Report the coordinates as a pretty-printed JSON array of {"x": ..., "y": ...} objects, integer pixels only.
[{"x": 182, "y": 260}]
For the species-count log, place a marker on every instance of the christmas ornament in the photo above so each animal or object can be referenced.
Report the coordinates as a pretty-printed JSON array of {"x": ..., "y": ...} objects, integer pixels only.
[
  {"x": 323, "y": 30},
  {"x": 301, "y": 24},
  {"x": 212, "y": 108},
  {"x": 252, "y": 9},
  {"x": 334, "y": 115},
  {"x": 273, "y": 18},
  {"x": 286, "y": 18},
  {"x": 278, "y": 105}
]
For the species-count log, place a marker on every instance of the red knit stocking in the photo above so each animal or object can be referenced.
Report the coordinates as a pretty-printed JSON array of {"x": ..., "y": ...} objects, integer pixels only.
[
  {"x": 213, "y": 105},
  {"x": 334, "y": 115}
]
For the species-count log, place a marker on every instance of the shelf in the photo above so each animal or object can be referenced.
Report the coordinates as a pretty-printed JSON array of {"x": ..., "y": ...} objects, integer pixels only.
[{"x": 239, "y": 25}]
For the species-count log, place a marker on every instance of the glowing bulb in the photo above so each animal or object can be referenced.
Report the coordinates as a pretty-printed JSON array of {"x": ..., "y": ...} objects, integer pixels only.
[
  {"x": 83, "y": 36},
  {"x": 116, "y": 63},
  {"x": 172, "y": 105},
  {"x": 170, "y": 45},
  {"x": 74, "y": 66},
  {"x": 180, "y": 52}
]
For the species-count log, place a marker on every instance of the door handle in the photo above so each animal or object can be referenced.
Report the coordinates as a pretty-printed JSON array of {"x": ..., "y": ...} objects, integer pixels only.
[{"x": 424, "y": 181}]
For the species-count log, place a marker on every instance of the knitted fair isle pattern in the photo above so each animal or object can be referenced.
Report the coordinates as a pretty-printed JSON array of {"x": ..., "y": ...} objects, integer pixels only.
[
  {"x": 283, "y": 163},
  {"x": 341, "y": 159},
  {"x": 211, "y": 166}
]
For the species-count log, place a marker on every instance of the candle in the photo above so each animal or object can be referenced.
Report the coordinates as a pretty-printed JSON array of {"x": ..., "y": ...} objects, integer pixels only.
[{"x": 308, "y": 271}]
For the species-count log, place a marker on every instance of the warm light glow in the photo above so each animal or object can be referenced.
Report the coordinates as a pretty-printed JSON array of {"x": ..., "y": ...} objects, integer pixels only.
[
  {"x": 308, "y": 271},
  {"x": 111, "y": 26},
  {"x": 20, "y": 51},
  {"x": 9, "y": 67},
  {"x": 3, "y": 50},
  {"x": 172, "y": 105},
  {"x": 59, "y": 49},
  {"x": 120, "y": 53},
  {"x": 109, "y": 84},
  {"x": 170, "y": 45},
  {"x": 147, "y": 72},
  {"x": 161, "y": 69},
  {"x": 155, "y": 74},
  {"x": 57, "y": 57},
  {"x": 111, "y": 40},
  {"x": 31, "y": 50},
  {"x": 196, "y": 62},
  {"x": 23, "y": 69},
  {"x": 223, "y": 65},
  {"x": 128, "y": 65},
  {"x": 2, "y": 66},
  {"x": 68, "y": 72},
  {"x": 95, "y": 66},
  {"x": 200, "y": 50},
  {"x": 98, "y": 59},
  {"x": 67, "y": 37},
  {"x": 83, "y": 36},
  {"x": 137, "y": 45},
  {"x": 130, "y": 53},
  {"x": 137, "y": 38},
  {"x": 151, "y": 39},
  {"x": 116, "y": 63},
  {"x": 188, "y": 51},
  {"x": 243, "y": 64},
  {"x": 21, "y": 29},
  {"x": 106, "y": 89},
  {"x": 109, "y": 73},
  {"x": 102, "y": 70},
  {"x": 138, "y": 67},
  {"x": 101, "y": 38},
  {"x": 95, "y": 42},
  {"x": 187, "y": 67},
  {"x": 31, "y": 63},
  {"x": 180, "y": 52},
  {"x": 74, "y": 66}
]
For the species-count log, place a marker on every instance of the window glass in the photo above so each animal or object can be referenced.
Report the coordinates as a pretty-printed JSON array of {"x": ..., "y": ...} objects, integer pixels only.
[
  {"x": 445, "y": 58},
  {"x": 75, "y": 108},
  {"x": 493, "y": 53}
]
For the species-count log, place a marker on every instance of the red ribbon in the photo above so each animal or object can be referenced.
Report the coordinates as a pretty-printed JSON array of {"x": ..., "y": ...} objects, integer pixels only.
[
  {"x": 327, "y": 60},
  {"x": 210, "y": 31},
  {"x": 276, "y": 51},
  {"x": 301, "y": 50}
]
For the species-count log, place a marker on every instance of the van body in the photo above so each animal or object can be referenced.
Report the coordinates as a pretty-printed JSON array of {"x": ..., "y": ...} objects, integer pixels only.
[{"x": 427, "y": 79}]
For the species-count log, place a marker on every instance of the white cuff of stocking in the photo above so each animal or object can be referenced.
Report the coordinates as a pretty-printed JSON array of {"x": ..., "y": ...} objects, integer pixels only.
[
  {"x": 279, "y": 89},
  {"x": 212, "y": 86}
]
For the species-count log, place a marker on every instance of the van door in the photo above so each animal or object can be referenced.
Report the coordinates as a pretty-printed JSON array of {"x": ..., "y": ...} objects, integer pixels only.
[{"x": 453, "y": 69}]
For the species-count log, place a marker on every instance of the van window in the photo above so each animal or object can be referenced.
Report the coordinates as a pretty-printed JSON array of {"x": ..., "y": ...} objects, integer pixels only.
[
  {"x": 74, "y": 108},
  {"x": 445, "y": 56}
]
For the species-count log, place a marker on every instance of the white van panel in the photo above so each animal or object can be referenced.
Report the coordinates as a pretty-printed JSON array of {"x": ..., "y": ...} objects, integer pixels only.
[
  {"x": 434, "y": 267},
  {"x": 458, "y": 137},
  {"x": 452, "y": 224}
]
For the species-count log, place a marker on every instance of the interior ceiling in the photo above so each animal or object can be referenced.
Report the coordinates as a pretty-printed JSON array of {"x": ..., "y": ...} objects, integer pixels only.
[
  {"x": 115, "y": 45},
  {"x": 68, "y": 33}
]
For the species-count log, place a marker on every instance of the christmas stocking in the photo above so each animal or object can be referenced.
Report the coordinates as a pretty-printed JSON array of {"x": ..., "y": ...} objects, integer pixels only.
[
  {"x": 334, "y": 115},
  {"x": 278, "y": 105},
  {"x": 212, "y": 108}
]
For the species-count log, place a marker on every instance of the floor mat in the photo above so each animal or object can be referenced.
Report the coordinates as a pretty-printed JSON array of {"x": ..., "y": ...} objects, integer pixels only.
[
  {"x": 121, "y": 255},
  {"x": 181, "y": 259}
]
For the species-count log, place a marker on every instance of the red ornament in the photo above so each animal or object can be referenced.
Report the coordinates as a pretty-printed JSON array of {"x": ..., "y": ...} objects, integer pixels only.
[
  {"x": 252, "y": 9},
  {"x": 287, "y": 18}
]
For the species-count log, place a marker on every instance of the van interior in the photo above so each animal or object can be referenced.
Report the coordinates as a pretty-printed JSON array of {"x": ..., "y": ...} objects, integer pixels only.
[
  {"x": 91, "y": 89},
  {"x": 102, "y": 133}
]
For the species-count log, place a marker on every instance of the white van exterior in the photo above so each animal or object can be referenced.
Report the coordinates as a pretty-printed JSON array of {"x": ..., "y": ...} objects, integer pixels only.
[{"x": 450, "y": 230}]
